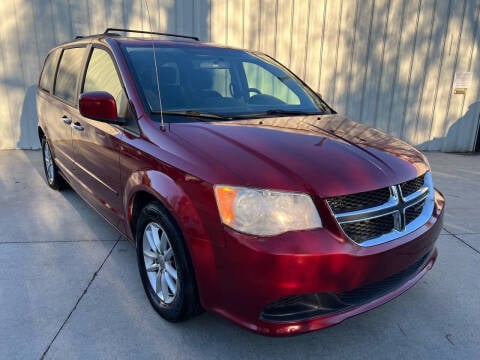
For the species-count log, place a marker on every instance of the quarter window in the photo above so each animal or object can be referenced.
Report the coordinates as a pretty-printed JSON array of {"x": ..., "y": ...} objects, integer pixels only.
[
  {"x": 48, "y": 73},
  {"x": 102, "y": 76},
  {"x": 67, "y": 76}
]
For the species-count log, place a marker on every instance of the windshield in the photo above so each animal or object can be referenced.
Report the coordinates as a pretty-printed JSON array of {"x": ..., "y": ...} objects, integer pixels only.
[{"x": 218, "y": 82}]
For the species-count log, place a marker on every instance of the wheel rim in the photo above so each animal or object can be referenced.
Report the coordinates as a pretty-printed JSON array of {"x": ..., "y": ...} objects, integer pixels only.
[
  {"x": 159, "y": 261},
  {"x": 47, "y": 156}
]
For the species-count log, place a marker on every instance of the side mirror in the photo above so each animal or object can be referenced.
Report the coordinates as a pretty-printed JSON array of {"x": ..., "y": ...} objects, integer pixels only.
[{"x": 99, "y": 105}]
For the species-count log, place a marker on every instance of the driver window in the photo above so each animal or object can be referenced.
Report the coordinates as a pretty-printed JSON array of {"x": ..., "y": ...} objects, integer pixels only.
[
  {"x": 102, "y": 76},
  {"x": 262, "y": 81},
  {"x": 221, "y": 81}
]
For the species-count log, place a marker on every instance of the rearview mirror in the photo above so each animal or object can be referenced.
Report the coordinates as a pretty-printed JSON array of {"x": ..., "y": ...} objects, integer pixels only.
[{"x": 99, "y": 105}]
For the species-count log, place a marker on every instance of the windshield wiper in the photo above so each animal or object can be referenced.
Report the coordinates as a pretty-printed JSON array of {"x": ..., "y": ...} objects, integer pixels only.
[
  {"x": 192, "y": 113},
  {"x": 277, "y": 112},
  {"x": 291, "y": 112}
]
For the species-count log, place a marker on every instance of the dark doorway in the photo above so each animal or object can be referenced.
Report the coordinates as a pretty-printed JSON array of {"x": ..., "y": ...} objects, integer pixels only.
[{"x": 477, "y": 142}]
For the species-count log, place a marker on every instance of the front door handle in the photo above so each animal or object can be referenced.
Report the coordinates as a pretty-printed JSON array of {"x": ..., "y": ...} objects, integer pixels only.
[
  {"x": 66, "y": 120},
  {"x": 77, "y": 126}
]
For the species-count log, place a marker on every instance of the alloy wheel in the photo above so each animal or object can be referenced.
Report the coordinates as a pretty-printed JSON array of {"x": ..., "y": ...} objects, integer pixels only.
[
  {"x": 160, "y": 263},
  {"x": 49, "y": 167}
]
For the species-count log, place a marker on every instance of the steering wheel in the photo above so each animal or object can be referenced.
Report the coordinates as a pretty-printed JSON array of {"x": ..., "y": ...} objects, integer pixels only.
[{"x": 255, "y": 90}]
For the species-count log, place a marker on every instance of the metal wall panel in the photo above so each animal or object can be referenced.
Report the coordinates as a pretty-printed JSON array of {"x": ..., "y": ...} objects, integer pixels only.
[{"x": 390, "y": 64}]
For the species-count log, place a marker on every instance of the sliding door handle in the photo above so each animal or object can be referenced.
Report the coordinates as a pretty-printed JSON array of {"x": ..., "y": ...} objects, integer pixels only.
[{"x": 77, "y": 126}]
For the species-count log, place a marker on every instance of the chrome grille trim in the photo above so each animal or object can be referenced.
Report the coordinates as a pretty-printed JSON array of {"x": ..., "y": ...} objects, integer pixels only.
[{"x": 396, "y": 206}]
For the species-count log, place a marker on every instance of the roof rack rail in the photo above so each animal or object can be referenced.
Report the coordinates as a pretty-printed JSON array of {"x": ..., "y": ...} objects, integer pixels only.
[
  {"x": 109, "y": 30},
  {"x": 93, "y": 36}
]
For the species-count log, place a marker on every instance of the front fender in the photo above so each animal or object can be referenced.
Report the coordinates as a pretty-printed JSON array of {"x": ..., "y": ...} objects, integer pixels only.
[
  {"x": 200, "y": 229},
  {"x": 170, "y": 194}
]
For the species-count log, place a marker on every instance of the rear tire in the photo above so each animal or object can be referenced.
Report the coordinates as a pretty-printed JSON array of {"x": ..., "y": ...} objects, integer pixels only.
[
  {"x": 165, "y": 266},
  {"x": 53, "y": 177}
]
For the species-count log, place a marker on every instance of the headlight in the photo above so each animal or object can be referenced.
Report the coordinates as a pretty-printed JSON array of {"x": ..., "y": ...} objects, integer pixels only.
[{"x": 265, "y": 212}]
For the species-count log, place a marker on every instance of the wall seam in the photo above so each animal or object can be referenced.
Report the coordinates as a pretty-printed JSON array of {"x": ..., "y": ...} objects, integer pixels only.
[
  {"x": 339, "y": 30},
  {"x": 321, "y": 46},
  {"x": 449, "y": 100},
  {"x": 394, "y": 82},
  {"x": 307, "y": 36},
  {"x": 367, "y": 58},
  {"x": 292, "y": 14},
  {"x": 439, "y": 72},
  {"x": 412, "y": 60},
  {"x": 422, "y": 88},
  {"x": 379, "y": 82},
  {"x": 475, "y": 36},
  {"x": 24, "y": 78}
]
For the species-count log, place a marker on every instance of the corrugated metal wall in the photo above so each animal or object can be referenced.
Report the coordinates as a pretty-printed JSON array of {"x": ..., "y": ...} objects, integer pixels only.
[{"x": 390, "y": 64}]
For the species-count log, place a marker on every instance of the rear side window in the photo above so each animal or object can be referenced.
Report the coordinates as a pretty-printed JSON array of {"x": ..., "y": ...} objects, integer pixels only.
[
  {"x": 68, "y": 74},
  {"x": 48, "y": 73},
  {"x": 102, "y": 76}
]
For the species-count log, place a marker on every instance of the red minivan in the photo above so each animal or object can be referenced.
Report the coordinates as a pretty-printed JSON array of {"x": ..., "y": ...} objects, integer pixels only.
[{"x": 244, "y": 192}]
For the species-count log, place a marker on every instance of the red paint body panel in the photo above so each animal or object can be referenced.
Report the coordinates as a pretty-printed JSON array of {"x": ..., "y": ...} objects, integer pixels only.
[
  {"x": 327, "y": 156},
  {"x": 238, "y": 275},
  {"x": 95, "y": 152},
  {"x": 311, "y": 262}
]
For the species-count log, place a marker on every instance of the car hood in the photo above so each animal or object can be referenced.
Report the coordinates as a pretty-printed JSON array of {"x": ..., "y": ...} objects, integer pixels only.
[{"x": 326, "y": 155}]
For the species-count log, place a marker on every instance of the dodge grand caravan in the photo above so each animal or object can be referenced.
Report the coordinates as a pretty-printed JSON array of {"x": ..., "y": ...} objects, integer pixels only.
[{"x": 243, "y": 191}]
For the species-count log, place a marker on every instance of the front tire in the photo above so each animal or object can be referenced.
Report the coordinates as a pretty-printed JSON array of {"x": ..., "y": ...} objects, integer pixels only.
[
  {"x": 165, "y": 266},
  {"x": 53, "y": 177}
]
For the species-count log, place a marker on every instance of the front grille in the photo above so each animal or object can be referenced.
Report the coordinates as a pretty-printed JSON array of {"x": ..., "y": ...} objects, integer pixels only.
[
  {"x": 354, "y": 202},
  {"x": 363, "y": 230},
  {"x": 373, "y": 217},
  {"x": 414, "y": 212},
  {"x": 409, "y": 187}
]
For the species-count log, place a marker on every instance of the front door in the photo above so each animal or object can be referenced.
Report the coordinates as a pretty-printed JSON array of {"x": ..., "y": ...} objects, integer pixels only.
[{"x": 96, "y": 145}]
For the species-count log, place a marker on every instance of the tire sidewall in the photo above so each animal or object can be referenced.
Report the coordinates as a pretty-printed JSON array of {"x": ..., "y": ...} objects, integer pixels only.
[
  {"x": 176, "y": 310},
  {"x": 55, "y": 182}
]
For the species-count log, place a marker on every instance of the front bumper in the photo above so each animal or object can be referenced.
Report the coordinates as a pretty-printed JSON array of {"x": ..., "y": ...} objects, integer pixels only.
[{"x": 256, "y": 274}]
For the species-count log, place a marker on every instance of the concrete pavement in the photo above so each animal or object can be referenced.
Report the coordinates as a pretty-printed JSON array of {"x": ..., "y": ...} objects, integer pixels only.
[{"x": 69, "y": 287}]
